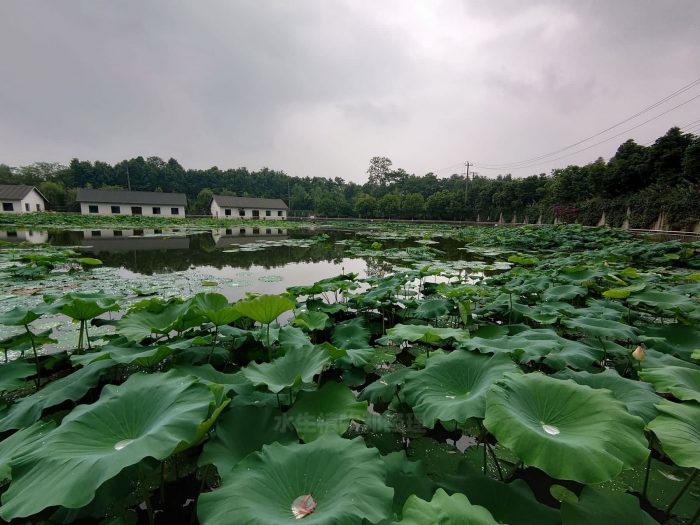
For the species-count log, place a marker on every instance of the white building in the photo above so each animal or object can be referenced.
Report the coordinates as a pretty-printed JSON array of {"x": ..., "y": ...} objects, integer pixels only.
[
  {"x": 225, "y": 206},
  {"x": 21, "y": 199},
  {"x": 122, "y": 202}
]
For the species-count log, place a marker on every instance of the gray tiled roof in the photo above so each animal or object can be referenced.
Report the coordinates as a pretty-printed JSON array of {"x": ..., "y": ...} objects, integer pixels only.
[
  {"x": 15, "y": 192},
  {"x": 228, "y": 201},
  {"x": 131, "y": 197}
]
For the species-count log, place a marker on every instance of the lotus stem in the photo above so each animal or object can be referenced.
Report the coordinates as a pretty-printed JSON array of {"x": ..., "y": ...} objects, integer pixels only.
[
  {"x": 495, "y": 460},
  {"x": 80, "y": 338},
  {"x": 36, "y": 357},
  {"x": 87, "y": 336},
  {"x": 213, "y": 343},
  {"x": 648, "y": 469},
  {"x": 678, "y": 496}
]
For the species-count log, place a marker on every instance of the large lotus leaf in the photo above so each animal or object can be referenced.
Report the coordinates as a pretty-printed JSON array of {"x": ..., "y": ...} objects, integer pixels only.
[
  {"x": 242, "y": 430},
  {"x": 453, "y": 387},
  {"x": 19, "y": 316},
  {"x": 264, "y": 308},
  {"x": 351, "y": 334},
  {"x": 211, "y": 376},
  {"x": 426, "y": 334},
  {"x": 215, "y": 308},
  {"x": 27, "y": 410},
  {"x": 601, "y": 328},
  {"x": 638, "y": 397},
  {"x": 311, "y": 320},
  {"x": 682, "y": 382},
  {"x": 329, "y": 409},
  {"x": 406, "y": 478},
  {"x": 432, "y": 308},
  {"x": 296, "y": 367},
  {"x": 678, "y": 339},
  {"x": 344, "y": 478},
  {"x": 139, "y": 324},
  {"x": 623, "y": 292},
  {"x": 656, "y": 359},
  {"x": 564, "y": 292},
  {"x": 596, "y": 506},
  {"x": 522, "y": 507},
  {"x": 146, "y": 416},
  {"x": 678, "y": 431},
  {"x": 444, "y": 510},
  {"x": 570, "y": 431},
  {"x": 664, "y": 301},
  {"x": 83, "y": 306},
  {"x": 13, "y": 374},
  {"x": 18, "y": 442},
  {"x": 383, "y": 389}
]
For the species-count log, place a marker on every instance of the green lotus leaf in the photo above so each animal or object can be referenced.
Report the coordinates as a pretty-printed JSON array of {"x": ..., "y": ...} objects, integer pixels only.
[
  {"x": 664, "y": 301},
  {"x": 432, "y": 308},
  {"x": 296, "y": 367},
  {"x": 20, "y": 441},
  {"x": 311, "y": 320},
  {"x": 344, "y": 478},
  {"x": 678, "y": 429},
  {"x": 351, "y": 334},
  {"x": 83, "y": 306},
  {"x": 682, "y": 382},
  {"x": 426, "y": 334},
  {"x": 242, "y": 430},
  {"x": 209, "y": 375},
  {"x": 569, "y": 431},
  {"x": 406, "y": 478},
  {"x": 522, "y": 260},
  {"x": 73, "y": 387},
  {"x": 677, "y": 339},
  {"x": 13, "y": 374},
  {"x": 89, "y": 261},
  {"x": 160, "y": 319},
  {"x": 521, "y": 509},
  {"x": 453, "y": 387},
  {"x": 19, "y": 316},
  {"x": 602, "y": 328},
  {"x": 444, "y": 510},
  {"x": 383, "y": 389},
  {"x": 596, "y": 506},
  {"x": 623, "y": 292},
  {"x": 329, "y": 409},
  {"x": 564, "y": 292},
  {"x": 215, "y": 308},
  {"x": 95, "y": 442},
  {"x": 639, "y": 398},
  {"x": 264, "y": 308}
]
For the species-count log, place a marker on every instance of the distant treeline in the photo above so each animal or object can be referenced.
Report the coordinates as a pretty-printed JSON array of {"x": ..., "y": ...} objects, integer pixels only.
[{"x": 646, "y": 180}]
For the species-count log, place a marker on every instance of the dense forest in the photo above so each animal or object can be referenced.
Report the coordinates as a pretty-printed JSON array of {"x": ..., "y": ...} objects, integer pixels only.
[{"x": 638, "y": 182}]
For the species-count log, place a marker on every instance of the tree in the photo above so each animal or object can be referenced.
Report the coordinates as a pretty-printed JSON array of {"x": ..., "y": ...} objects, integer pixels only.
[
  {"x": 379, "y": 168},
  {"x": 413, "y": 206},
  {"x": 389, "y": 206},
  {"x": 203, "y": 201},
  {"x": 364, "y": 205},
  {"x": 691, "y": 162}
]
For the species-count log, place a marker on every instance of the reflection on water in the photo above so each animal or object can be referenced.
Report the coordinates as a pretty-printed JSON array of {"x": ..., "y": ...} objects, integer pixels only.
[
  {"x": 29, "y": 236},
  {"x": 224, "y": 237}
]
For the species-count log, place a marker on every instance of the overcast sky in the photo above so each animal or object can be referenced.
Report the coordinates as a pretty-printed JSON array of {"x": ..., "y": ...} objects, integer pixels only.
[{"x": 319, "y": 87}]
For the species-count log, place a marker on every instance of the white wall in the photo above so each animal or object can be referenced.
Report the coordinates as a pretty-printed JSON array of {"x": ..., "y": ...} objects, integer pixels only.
[
  {"x": 125, "y": 209},
  {"x": 32, "y": 200},
  {"x": 220, "y": 212}
]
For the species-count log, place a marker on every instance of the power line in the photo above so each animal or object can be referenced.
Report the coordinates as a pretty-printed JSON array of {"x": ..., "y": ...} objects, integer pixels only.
[
  {"x": 640, "y": 112},
  {"x": 531, "y": 165}
]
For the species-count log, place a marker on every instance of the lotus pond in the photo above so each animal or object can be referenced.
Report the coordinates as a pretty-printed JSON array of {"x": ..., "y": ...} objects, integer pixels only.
[{"x": 381, "y": 375}]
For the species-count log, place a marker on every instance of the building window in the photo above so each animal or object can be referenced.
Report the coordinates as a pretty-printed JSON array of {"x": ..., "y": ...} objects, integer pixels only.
[
  {"x": 280, "y": 213},
  {"x": 38, "y": 207},
  {"x": 136, "y": 210},
  {"x": 138, "y": 232},
  {"x": 117, "y": 233},
  {"x": 242, "y": 231},
  {"x": 268, "y": 213},
  {"x": 156, "y": 210},
  {"x": 268, "y": 231},
  {"x": 116, "y": 209},
  {"x": 227, "y": 211},
  {"x": 92, "y": 208},
  {"x": 12, "y": 234},
  {"x": 26, "y": 206},
  {"x": 96, "y": 233},
  {"x": 256, "y": 213},
  {"x": 157, "y": 232},
  {"x": 256, "y": 231},
  {"x": 174, "y": 211},
  {"x": 241, "y": 213}
]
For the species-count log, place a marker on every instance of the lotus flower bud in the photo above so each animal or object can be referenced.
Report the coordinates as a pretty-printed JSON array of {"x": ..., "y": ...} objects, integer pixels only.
[{"x": 639, "y": 354}]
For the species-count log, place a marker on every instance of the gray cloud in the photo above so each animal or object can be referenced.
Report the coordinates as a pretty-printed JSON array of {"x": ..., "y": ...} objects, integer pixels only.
[{"x": 318, "y": 87}]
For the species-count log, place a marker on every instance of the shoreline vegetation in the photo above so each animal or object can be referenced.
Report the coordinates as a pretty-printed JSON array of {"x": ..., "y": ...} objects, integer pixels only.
[{"x": 642, "y": 186}]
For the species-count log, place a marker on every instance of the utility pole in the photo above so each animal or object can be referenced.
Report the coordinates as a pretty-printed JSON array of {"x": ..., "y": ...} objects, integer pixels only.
[
  {"x": 289, "y": 196},
  {"x": 466, "y": 182},
  {"x": 128, "y": 179}
]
